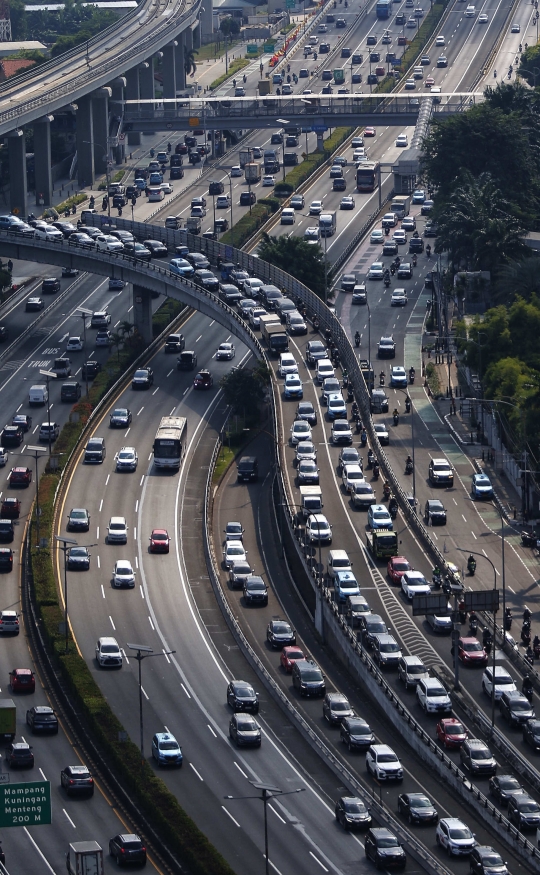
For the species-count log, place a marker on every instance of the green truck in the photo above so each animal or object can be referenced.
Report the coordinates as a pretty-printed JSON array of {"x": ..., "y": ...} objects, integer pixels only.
[
  {"x": 8, "y": 718},
  {"x": 382, "y": 544}
]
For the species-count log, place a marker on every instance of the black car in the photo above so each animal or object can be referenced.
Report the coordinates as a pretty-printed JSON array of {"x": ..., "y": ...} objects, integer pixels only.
[
  {"x": 127, "y": 848},
  {"x": 435, "y": 512},
  {"x": 352, "y": 813},
  {"x": 242, "y": 697},
  {"x": 516, "y": 708},
  {"x": 306, "y": 411},
  {"x": 12, "y": 436},
  {"x": 307, "y": 678},
  {"x": 120, "y": 417},
  {"x": 502, "y": 787},
  {"x": 417, "y": 808},
  {"x": 255, "y": 591},
  {"x": 370, "y": 625},
  {"x": 41, "y": 718},
  {"x": 50, "y": 285},
  {"x": 4, "y": 332},
  {"x": 531, "y": 734},
  {"x": 7, "y": 531},
  {"x": 22, "y": 420},
  {"x": 247, "y": 470},
  {"x": 19, "y": 754},
  {"x": 244, "y": 730},
  {"x": 477, "y": 758},
  {"x": 384, "y": 849},
  {"x": 390, "y": 247},
  {"x": 137, "y": 250},
  {"x": 78, "y": 559},
  {"x": 416, "y": 244},
  {"x": 78, "y": 520},
  {"x": 6, "y": 559},
  {"x": 247, "y": 198},
  {"x": 280, "y": 634},
  {"x": 156, "y": 248},
  {"x": 90, "y": 370},
  {"x": 77, "y": 780},
  {"x": 524, "y": 812},
  {"x": 143, "y": 378},
  {"x": 356, "y": 733},
  {"x": 484, "y": 860},
  {"x": 70, "y": 391}
]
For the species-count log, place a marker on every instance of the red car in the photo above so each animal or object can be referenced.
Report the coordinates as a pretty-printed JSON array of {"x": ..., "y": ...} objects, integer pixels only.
[
  {"x": 369, "y": 132},
  {"x": 397, "y": 566},
  {"x": 203, "y": 380},
  {"x": 159, "y": 541},
  {"x": 289, "y": 655},
  {"x": 451, "y": 732},
  {"x": 471, "y": 652},
  {"x": 22, "y": 680},
  {"x": 10, "y": 508},
  {"x": 20, "y": 477}
]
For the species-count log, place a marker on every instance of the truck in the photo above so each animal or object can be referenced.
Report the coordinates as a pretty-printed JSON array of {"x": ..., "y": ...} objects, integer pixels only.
[
  {"x": 339, "y": 76},
  {"x": 368, "y": 373},
  {"x": 193, "y": 225},
  {"x": 383, "y": 8},
  {"x": 264, "y": 86},
  {"x": 252, "y": 172},
  {"x": 276, "y": 337},
  {"x": 38, "y": 394},
  {"x": 269, "y": 319},
  {"x": 401, "y": 205},
  {"x": 328, "y": 224},
  {"x": 382, "y": 544},
  {"x": 84, "y": 858},
  {"x": 246, "y": 157},
  {"x": 310, "y": 501},
  {"x": 271, "y": 161},
  {"x": 8, "y": 719}
]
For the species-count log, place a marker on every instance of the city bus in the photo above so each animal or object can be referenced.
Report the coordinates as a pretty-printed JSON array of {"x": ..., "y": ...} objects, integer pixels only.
[
  {"x": 170, "y": 442},
  {"x": 367, "y": 176},
  {"x": 383, "y": 8}
]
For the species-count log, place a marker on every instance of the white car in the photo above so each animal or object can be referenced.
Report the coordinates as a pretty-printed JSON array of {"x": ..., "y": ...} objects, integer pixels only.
[
  {"x": 225, "y": 351},
  {"x": 376, "y": 271},
  {"x": 315, "y": 208},
  {"x": 382, "y": 433},
  {"x": 433, "y": 697},
  {"x": 306, "y": 450},
  {"x": 117, "y": 530},
  {"x": 268, "y": 181},
  {"x": 482, "y": 18},
  {"x": 166, "y": 187},
  {"x": 402, "y": 140},
  {"x": 400, "y": 237},
  {"x": 223, "y": 202},
  {"x": 251, "y": 286},
  {"x": 337, "y": 408},
  {"x": 440, "y": 41},
  {"x": 331, "y": 386},
  {"x": 399, "y": 298},
  {"x": 287, "y": 364},
  {"x": 398, "y": 376},
  {"x": 345, "y": 584},
  {"x": 234, "y": 531},
  {"x": 236, "y": 170},
  {"x": 123, "y": 574},
  {"x": 293, "y": 387},
  {"x": 318, "y": 529},
  {"x": 103, "y": 338},
  {"x": 383, "y": 764},
  {"x": 48, "y": 233},
  {"x": 504, "y": 682},
  {"x": 325, "y": 369},
  {"x": 108, "y": 243},
  {"x": 356, "y": 142},
  {"x": 300, "y": 431},
  {"x": 108, "y": 653},
  {"x": 255, "y": 316},
  {"x": 234, "y": 552},
  {"x": 351, "y": 475},
  {"x": 414, "y": 583},
  {"x": 455, "y": 836},
  {"x": 418, "y": 196},
  {"x": 377, "y": 236},
  {"x": 74, "y": 344},
  {"x": 3, "y": 457},
  {"x": 126, "y": 459}
]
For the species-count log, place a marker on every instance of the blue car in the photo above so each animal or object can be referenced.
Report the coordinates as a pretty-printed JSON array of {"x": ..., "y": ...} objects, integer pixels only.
[
  {"x": 481, "y": 486},
  {"x": 166, "y": 750},
  {"x": 345, "y": 584},
  {"x": 379, "y": 518},
  {"x": 181, "y": 267}
]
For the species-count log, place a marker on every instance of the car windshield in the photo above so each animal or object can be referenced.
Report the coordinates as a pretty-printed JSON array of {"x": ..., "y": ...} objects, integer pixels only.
[
  {"x": 354, "y": 807},
  {"x": 420, "y": 802},
  {"x": 520, "y": 705},
  {"x": 311, "y": 675},
  {"x": 234, "y": 527},
  {"x": 78, "y": 515},
  {"x": 481, "y": 753},
  {"x": 117, "y": 527},
  {"x": 387, "y": 842},
  {"x": 256, "y": 585},
  {"x": 141, "y": 373},
  {"x": 389, "y": 647},
  {"x": 435, "y": 691},
  {"x": 359, "y": 728},
  {"x": 168, "y": 745},
  {"x": 341, "y": 706},
  {"x": 341, "y": 426},
  {"x": 401, "y": 566},
  {"x": 124, "y": 570},
  {"x": 387, "y": 758},
  {"x": 460, "y": 832},
  {"x": 124, "y": 454},
  {"x": 529, "y": 807},
  {"x": 375, "y": 628},
  {"x": 489, "y": 860},
  {"x": 109, "y": 648},
  {"x": 247, "y": 725},
  {"x": 281, "y": 628},
  {"x": 121, "y": 411},
  {"x": 380, "y": 515},
  {"x": 472, "y": 646},
  {"x": 78, "y": 551},
  {"x": 508, "y": 782},
  {"x": 235, "y": 551}
]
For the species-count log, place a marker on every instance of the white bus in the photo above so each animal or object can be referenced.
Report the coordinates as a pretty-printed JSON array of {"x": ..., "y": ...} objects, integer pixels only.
[{"x": 170, "y": 442}]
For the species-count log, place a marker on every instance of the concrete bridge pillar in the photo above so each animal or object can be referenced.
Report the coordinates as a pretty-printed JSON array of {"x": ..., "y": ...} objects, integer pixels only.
[
  {"x": 18, "y": 190},
  {"x": 118, "y": 87},
  {"x": 146, "y": 80},
  {"x": 197, "y": 36},
  {"x": 100, "y": 122},
  {"x": 85, "y": 139},
  {"x": 132, "y": 93},
  {"x": 142, "y": 312},
  {"x": 179, "y": 64},
  {"x": 42, "y": 160},
  {"x": 169, "y": 71}
]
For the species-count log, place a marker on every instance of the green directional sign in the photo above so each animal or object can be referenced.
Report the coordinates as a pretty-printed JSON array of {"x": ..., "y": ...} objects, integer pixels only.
[
  {"x": 268, "y": 47},
  {"x": 27, "y": 804},
  {"x": 290, "y": 4},
  {"x": 252, "y": 49}
]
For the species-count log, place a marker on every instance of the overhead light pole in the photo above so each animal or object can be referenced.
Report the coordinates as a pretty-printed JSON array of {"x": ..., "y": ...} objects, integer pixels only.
[
  {"x": 106, "y": 159},
  {"x": 143, "y": 652},
  {"x": 64, "y": 544},
  {"x": 35, "y": 452},
  {"x": 83, "y": 313},
  {"x": 49, "y": 375}
]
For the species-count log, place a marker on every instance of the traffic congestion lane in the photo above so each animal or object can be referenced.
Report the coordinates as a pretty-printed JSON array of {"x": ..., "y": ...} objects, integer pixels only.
[{"x": 263, "y": 547}]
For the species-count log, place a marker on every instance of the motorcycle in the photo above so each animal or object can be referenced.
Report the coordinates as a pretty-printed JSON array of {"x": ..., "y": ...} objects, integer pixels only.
[
  {"x": 386, "y": 491},
  {"x": 536, "y": 647},
  {"x": 396, "y": 418},
  {"x": 526, "y": 634},
  {"x": 393, "y": 269},
  {"x": 407, "y": 404},
  {"x": 355, "y": 410},
  {"x": 376, "y": 471},
  {"x": 428, "y": 251},
  {"x": 409, "y": 466},
  {"x": 381, "y": 378},
  {"x": 527, "y": 688},
  {"x": 316, "y": 324},
  {"x": 471, "y": 565},
  {"x": 387, "y": 281},
  {"x": 529, "y": 656},
  {"x": 358, "y": 423},
  {"x": 350, "y": 394},
  {"x": 363, "y": 438},
  {"x": 507, "y": 620},
  {"x": 371, "y": 459},
  {"x": 152, "y": 153},
  {"x": 386, "y": 230},
  {"x": 169, "y": 147},
  {"x": 357, "y": 339},
  {"x": 393, "y": 509},
  {"x": 473, "y": 626},
  {"x": 436, "y": 579},
  {"x": 414, "y": 261},
  {"x": 527, "y": 615},
  {"x": 412, "y": 374}
]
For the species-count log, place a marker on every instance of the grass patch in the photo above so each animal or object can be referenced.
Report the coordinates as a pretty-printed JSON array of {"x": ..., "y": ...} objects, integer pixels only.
[
  {"x": 226, "y": 455},
  {"x": 250, "y": 222},
  {"x": 432, "y": 378},
  {"x": 234, "y": 67},
  {"x": 118, "y": 177},
  {"x": 71, "y": 202},
  {"x": 215, "y": 50}
]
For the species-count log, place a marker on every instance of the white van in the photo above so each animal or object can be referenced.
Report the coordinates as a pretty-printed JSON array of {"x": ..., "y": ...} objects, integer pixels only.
[
  {"x": 38, "y": 394},
  {"x": 173, "y": 222},
  {"x": 288, "y": 216},
  {"x": 86, "y": 215},
  {"x": 325, "y": 369}
]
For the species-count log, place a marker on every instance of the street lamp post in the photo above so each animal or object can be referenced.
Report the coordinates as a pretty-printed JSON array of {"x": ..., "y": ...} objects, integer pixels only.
[
  {"x": 35, "y": 452},
  {"x": 83, "y": 312},
  {"x": 106, "y": 159},
  {"x": 49, "y": 375},
  {"x": 64, "y": 544},
  {"x": 369, "y": 340},
  {"x": 406, "y": 392},
  {"x": 231, "y": 205},
  {"x": 143, "y": 652},
  {"x": 268, "y": 792}
]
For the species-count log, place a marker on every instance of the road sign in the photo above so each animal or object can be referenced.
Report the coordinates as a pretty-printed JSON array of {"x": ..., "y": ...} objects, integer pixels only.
[
  {"x": 268, "y": 47},
  {"x": 429, "y": 604},
  {"x": 27, "y": 804},
  {"x": 252, "y": 49},
  {"x": 290, "y": 4},
  {"x": 320, "y": 129},
  {"x": 194, "y": 122}
]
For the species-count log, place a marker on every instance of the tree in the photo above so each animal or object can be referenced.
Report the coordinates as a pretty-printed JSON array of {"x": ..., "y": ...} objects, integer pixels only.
[
  {"x": 303, "y": 260},
  {"x": 244, "y": 386},
  {"x": 229, "y": 26},
  {"x": 517, "y": 279},
  {"x": 17, "y": 14}
]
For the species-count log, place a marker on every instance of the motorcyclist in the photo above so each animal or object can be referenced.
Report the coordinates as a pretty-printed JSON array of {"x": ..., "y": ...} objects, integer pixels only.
[
  {"x": 393, "y": 505},
  {"x": 527, "y": 687},
  {"x": 494, "y": 74},
  {"x": 428, "y": 250},
  {"x": 370, "y": 456},
  {"x": 412, "y": 373},
  {"x": 414, "y": 260},
  {"x": 527, "y": 615},
  {"x": 363, "y": 437},
  {"x": 395, "y": 414},
  {"x": 357, "y": 339},
  {"x": 354, "y": 410},
  {"x": 407, "y": 405},
  {"x": 507, "y": 619},
  {"x": 376, "y": 470},
  {"x": 392, "y": 269},
  {"x": 471, "y": 564},
  {"x": 381, "y": 378},
  {"x": 169, "y": 147},
  {"x": 409, "y": 465}
]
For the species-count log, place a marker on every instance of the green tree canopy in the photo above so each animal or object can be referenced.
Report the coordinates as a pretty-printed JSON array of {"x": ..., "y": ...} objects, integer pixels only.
[
  {"x": 229, "y": 26},
  {"x": 303, "y": 260},
  {"x": 244, "y": 387}
]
